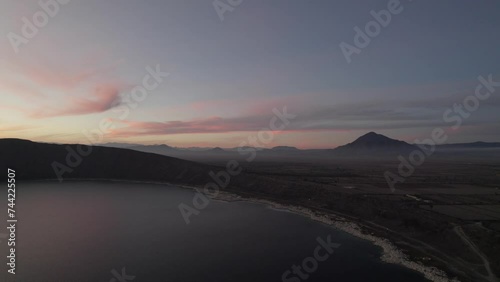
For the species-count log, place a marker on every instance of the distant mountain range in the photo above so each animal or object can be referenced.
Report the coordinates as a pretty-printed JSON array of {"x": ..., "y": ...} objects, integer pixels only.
[
  {"x": 474, "y": 145},
  {"x": 369, "y": 145},
  {"x": 44, "y": 161},
  {"x": 373, "y": 146}
]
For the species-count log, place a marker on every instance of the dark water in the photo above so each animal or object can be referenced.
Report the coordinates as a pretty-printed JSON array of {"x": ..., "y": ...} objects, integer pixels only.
[{"x": 81, "y": 231}]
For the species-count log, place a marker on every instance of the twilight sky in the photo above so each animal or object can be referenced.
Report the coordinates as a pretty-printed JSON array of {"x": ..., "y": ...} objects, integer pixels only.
[{"x": 225, "y": 77}]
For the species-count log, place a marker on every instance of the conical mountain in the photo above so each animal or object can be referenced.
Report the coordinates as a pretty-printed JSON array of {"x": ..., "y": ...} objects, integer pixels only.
[{"x": 374, "y": 143}]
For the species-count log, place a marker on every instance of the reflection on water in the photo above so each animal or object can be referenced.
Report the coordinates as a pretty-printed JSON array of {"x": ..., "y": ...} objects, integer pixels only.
[{"x": 93, "y": 231}]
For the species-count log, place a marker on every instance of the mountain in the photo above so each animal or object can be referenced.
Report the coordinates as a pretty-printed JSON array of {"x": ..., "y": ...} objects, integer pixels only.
[
  {"x": 157, "y": 149},
  {"x": 33, "y": 160},
  {"x": 284, "y": 149},
  {"x": 192, "y": 154},
  {"x": 117, "y": 145},
  {"x": 374, "y": 143}
]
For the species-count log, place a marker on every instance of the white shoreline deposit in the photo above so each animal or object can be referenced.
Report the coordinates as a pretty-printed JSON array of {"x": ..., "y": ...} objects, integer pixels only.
[{"x": 390, "y": 254}]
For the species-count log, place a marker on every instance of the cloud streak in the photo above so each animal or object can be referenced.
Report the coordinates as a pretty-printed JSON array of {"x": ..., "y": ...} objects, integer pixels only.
[
  {"x": 367, "y": 115},
  {"x": 103, "y": 98},
  {"x": 50, "y": 91}
]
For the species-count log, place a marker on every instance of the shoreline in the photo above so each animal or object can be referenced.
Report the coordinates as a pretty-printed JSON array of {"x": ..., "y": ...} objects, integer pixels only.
[{"x": 390, "y": 253}]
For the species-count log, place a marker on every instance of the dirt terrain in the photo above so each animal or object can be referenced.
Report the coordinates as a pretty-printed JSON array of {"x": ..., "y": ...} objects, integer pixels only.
[{"x": 446, "y": 214}]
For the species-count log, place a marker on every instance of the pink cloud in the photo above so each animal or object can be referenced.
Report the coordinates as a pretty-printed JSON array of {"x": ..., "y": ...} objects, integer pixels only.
[
  {"x": 214, "y": 124},
  {"x": 54, "y": 78},
  {"x": 50, "y": 90},
  {"x": 206, "y": 125},
  {"x": 103, "y": 98}
]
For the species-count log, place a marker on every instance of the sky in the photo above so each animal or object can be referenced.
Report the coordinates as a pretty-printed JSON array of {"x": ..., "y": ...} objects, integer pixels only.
[{"x": 222, "y": 67}]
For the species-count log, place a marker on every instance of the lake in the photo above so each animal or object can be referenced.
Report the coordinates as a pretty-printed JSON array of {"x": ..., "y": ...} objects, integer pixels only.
[{"x": 81, "y": 231}]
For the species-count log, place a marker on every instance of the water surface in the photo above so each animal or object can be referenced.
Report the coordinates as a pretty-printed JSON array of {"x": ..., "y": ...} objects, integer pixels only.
[{"x": 81, "y": 231}]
